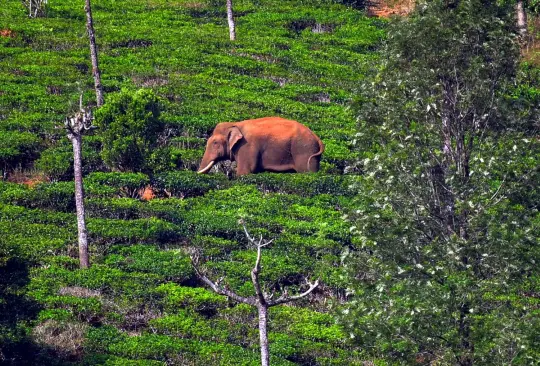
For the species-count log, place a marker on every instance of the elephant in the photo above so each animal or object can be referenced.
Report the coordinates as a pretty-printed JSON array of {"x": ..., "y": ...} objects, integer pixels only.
[{"x": 272, "y": 144}]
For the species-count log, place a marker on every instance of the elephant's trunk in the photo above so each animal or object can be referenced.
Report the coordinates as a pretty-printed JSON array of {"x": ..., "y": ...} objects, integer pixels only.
[{"x": 207, "y": 168}]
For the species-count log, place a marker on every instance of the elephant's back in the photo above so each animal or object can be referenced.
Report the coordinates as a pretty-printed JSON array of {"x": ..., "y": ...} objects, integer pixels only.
[{"x": 274, "y": 125}]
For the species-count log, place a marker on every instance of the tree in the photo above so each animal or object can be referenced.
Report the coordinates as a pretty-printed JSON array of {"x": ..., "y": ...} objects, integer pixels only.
[
  {"x": 130, "y": 126},
  {"x": 230, "y": 20},
  {"x": 93, "y": 53},
  {"x": 75, "y": 128},
  {"x": 261, "y": 300},
  {"x": 446, "y": 255}
]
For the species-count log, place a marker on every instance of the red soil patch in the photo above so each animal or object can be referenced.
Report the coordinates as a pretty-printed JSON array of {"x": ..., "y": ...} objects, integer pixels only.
[
  {"x": 7, "y": 33},
  {"x": 388, "y": 8},
  {"x": 31, "y": 183},
  {"x": 31, "y": 179},
  {"x": 147, "y": 194}
]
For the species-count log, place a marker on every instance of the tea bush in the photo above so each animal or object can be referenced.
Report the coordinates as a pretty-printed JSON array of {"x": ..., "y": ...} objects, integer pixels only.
[
  {"x": 169, "y": 265},
  {"x": 199, "y": 299},
  {"x": 302, "y": 184},
  {"x": 189, "y": 184},
  {"x": 107, "y": 232},
  {"x": 129, "y": 184}
]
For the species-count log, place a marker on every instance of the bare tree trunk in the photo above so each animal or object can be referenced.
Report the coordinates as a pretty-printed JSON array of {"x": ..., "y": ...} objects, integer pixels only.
[
  {"x": 79, "y": 201},
  {"x": 263, "y": 335},
  {"x": 93, "y": 53},
  {"x": 521, "y": 19},
  {"x": 230, "y": 19},
  {"x": 75, "y": 127}
]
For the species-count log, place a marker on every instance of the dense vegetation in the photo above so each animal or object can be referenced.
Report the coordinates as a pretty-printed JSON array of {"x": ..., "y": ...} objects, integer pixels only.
[{"x": 391, "y": 279}]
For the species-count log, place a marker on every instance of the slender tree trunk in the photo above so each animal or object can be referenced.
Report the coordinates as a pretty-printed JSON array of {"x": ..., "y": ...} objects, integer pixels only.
[
  {"x": 94, "y": 53},
  {"x": 521, "y": 18},
  {"x": 263, "y": 336},
  {"x": 79, "y": 201},
  {"x": 230, "y": 19}
]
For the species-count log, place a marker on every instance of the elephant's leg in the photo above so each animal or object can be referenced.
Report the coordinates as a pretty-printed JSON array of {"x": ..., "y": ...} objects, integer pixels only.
[
  {"x": 247, "y": 160},
  {"x": 301, "y": 163},
  {"x": 314, "y": 164},
  {"x": 305, "y": 152},
  {"x": 244, "y": 170}
]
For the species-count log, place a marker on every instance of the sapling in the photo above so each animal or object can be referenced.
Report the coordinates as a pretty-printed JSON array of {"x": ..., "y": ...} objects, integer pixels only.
[{"x": 262, "y": 301}]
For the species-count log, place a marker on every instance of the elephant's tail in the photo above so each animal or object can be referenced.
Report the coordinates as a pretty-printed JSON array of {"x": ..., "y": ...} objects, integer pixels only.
[{"x": 319, "y": 153}]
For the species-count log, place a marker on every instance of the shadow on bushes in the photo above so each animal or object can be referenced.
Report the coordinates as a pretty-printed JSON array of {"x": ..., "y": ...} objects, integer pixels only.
[{"x": 16, "y": 310}]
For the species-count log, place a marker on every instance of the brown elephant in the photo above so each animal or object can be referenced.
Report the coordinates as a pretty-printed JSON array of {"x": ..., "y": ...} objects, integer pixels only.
[{"x": 271, "y": 144}]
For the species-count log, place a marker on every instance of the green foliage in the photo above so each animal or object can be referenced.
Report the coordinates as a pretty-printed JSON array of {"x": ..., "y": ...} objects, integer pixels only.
[
  {"x": 57, "y": 162},
  {"x": 301, "y": 60},
  {"x": 189, "y": 184},
  {"x": 137, "y": 112},
  {"x": 440, "y": 222},
  {"x": 17, "y": 148},
  {"x": 171, "y": 265},
  {"x": 59, "y": 196},
  {"x": 199, "y": 299},
  {"x": 128, "y": 184},
  {"x": 107, "y": 232},
  {"x": 302, "y": 184}
]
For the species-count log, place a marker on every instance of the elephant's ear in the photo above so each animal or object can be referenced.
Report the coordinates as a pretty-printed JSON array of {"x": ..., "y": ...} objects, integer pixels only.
[{"x": 235, "y": 135}]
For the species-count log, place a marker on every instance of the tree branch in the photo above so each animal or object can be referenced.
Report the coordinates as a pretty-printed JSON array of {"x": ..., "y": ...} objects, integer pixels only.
[
  {"x": 255, "y": 275},
  {"x": 285, "y": 299},
  {"x": 219, "y": 289}
]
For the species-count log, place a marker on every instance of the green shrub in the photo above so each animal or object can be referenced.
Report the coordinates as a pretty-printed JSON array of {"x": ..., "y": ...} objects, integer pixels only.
[
  {"x": 115, "y": 208},
  {"x": 169, "y": 265},
  {"x": 129, "y": 124},
  {"x": 307, "y": 184},
  {"x": 57, "y": 196},
  {"x": 128, "y": 184},
  {"x": 32, "y": 242},
  {"x": 57, "y": 162},
  {"x": 164, "y": 159},
  {"x": 189, "y": 184},
  {"x": 17, "y": 148},
  {"x": 196, "y": 298},
  {"x": 214, "y": 246},
  {"x": 108, "y": 232},
  {"x": 187, "y": 325}
]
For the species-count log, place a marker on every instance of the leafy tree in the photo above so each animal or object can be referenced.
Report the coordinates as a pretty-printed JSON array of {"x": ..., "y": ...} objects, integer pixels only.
[
  {"x": 130, "y": 125},
  {"x": 447, "y": 255}
]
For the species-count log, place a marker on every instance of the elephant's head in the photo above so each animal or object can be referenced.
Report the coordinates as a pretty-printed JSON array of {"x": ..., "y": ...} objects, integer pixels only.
[{"x": 220, "y": 146}]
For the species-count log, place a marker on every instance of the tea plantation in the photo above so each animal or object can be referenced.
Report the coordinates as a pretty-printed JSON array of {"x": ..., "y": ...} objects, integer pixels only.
[
  {"x": 140, "y": 303},
  {"x": 421, "y": 225}
]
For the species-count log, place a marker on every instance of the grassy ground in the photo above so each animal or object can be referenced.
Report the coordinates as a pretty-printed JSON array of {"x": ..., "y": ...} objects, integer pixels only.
[{"x": 140, "y": 303}]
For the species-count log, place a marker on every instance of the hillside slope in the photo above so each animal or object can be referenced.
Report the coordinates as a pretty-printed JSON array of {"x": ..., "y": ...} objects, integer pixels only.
[{"x": 140, "y": 303}]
